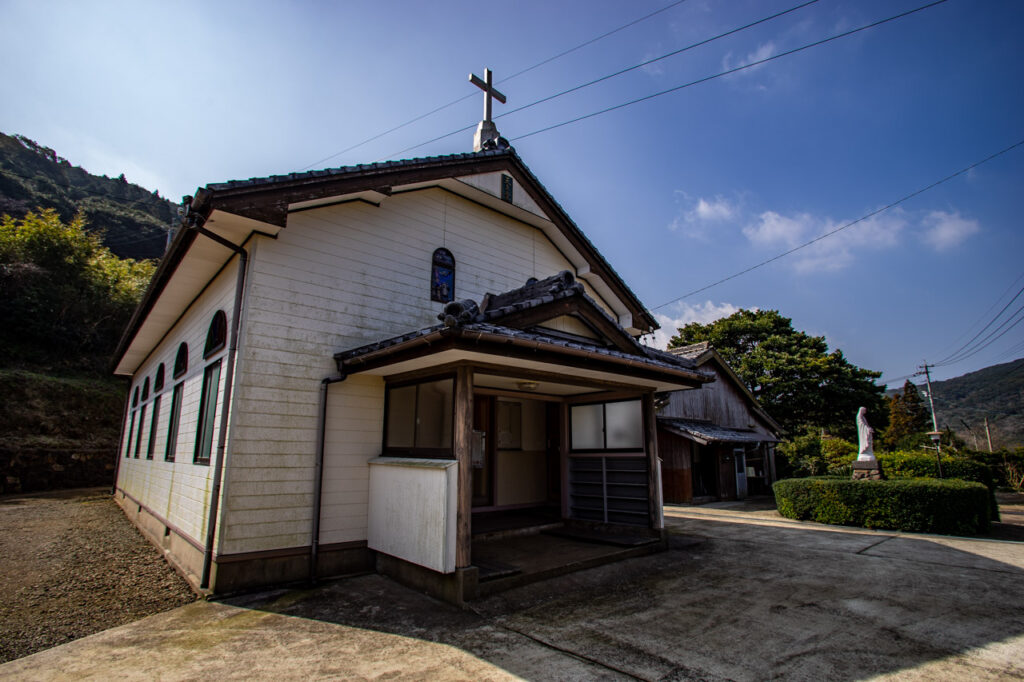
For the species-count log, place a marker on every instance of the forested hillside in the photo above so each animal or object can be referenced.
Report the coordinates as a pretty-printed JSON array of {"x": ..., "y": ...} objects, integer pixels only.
[
  {"x": 132, "y": 219},
  {"x": 76, "y": 252},
  {"x": 996, "y": 392}
]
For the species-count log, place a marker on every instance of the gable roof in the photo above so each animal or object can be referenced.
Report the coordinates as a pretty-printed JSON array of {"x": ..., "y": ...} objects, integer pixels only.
[
  {"x": 702, "y": 353},
  {"x": 254, "y": 205},
  {"x": 504, "y": 321}
]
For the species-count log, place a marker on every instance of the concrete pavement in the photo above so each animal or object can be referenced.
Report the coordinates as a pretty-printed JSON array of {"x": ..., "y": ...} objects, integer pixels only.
[{"x": 742, "y": 595}]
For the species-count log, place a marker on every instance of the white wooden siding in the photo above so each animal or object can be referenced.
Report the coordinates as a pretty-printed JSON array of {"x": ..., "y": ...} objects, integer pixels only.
[
  {"x": 179, "y": 491},
  {"x": 339, "y": 277}
]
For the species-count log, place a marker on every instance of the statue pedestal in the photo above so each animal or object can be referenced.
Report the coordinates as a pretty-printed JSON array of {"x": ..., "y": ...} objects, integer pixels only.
[{"x": 870, "y": 470}]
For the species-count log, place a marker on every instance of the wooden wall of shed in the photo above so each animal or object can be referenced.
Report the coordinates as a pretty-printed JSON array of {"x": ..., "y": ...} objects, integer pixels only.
[
  {"x": 726, "y": 472},
  {"x": 338, "y": 277},
  {"x": 676, "y": 468},
  {"x": 719, "y": 402}
]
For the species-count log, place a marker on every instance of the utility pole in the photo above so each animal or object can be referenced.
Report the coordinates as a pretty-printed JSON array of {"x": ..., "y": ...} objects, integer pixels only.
[
  {"x": 935, "y": 434},
  {"x": 988, "y": 435}
]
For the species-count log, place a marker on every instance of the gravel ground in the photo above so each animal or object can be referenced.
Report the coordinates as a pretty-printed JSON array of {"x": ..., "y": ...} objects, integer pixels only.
[{"x": 73, "y": 565}]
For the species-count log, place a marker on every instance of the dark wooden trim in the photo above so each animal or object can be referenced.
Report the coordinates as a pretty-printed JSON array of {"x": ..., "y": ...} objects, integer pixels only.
[
  {"x": 357, "y": 200},
  {"x": 167, "y": 524},
  {"x": 563, "y": 448},
  {"x": 462, "y": 437},
  {"x": 302, "y": 551},
  {"x": 523, "y": 395},
  {"x": 573, "y": 306},
  {"x": 654, "y": 492}
]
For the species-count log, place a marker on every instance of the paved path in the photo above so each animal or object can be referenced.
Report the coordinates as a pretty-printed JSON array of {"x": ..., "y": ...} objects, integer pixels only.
[{"x": 742, "y": 595}]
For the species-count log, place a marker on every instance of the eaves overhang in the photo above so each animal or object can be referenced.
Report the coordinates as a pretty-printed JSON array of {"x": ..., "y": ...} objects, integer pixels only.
[{"x": 510, "y": 345}]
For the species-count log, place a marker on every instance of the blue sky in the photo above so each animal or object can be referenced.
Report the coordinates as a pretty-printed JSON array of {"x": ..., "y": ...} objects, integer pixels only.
[{"x": 678, "y": 192}]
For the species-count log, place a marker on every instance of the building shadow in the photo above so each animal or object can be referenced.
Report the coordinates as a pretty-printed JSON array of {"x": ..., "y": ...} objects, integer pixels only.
[{"x": 727, "y": 600}]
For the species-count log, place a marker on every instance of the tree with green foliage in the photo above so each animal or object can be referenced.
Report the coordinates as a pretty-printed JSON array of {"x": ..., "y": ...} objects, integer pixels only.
[
  {"x": 793, "y": 375},
  {"x": 66, "y": 297},
  {"x": 908, "y": 420}
]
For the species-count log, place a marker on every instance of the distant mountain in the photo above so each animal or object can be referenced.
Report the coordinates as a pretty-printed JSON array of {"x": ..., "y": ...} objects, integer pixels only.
[
  {"x": 996, "y": 392},
  {"x": 133, "y": 219}
]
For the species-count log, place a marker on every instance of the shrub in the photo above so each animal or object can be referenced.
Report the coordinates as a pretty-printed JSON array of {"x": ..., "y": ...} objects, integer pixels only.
[
  {"x": 903, "y": 464},
  {"x": 950, "y": 507}
]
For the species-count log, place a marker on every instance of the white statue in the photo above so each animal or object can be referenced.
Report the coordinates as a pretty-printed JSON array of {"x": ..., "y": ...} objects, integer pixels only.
[{"x": 866, "y": 438}]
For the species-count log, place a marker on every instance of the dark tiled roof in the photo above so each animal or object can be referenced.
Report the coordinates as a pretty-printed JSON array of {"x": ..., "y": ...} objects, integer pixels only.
[
  {"x": 533, "y": 294},
  {"x": 358, "y": 169},
  {"x": 692, "y": 351},
  {"x": 464, "y": 318},
  {"x": 710, "y": 432}
]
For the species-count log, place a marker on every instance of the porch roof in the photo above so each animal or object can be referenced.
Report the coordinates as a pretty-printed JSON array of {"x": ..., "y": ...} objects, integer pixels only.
[
  {"x": 506, "y": 326},
  {"x": 706, "y": 432}
]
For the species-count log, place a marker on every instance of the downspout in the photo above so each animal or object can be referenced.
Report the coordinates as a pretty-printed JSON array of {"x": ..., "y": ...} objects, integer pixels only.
[
  {"x": 318, "y": 479},
  {"x": 195, "y": 221}
]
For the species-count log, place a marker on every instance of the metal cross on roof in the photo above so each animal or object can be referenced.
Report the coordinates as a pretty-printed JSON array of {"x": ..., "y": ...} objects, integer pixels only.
[{"x": 489, "y": 91}]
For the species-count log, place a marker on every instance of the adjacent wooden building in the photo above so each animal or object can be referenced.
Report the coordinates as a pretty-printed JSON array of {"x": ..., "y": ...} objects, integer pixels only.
[{"x": 717, "y": 443}]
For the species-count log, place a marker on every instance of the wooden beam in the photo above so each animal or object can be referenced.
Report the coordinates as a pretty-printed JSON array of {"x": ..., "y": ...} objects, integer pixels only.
[
  {"x": 653, "y": 463},
  {"x": 463, "y": 441}
]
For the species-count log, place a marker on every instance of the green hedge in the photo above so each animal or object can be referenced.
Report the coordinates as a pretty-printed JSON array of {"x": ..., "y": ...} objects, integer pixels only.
[
  {"x": 946, "y": 506},
  {"x": 916, "y": 465}
]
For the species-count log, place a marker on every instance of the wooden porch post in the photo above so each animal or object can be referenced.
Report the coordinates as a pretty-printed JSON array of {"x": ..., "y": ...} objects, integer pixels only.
[
  {"x": 463, "y": 442},
  {"x": 653, "y": 463}
]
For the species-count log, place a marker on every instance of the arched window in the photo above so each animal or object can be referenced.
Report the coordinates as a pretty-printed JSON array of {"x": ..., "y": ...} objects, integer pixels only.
[
  {"x": 145, "y": 390},
  {"x": 135, "y": 398},
  {"x": 217, "y": 335},
  {"x": 158, "y": 381},
  {"x": 181, "y": 361},
  {"x": 442, "y": 276}
]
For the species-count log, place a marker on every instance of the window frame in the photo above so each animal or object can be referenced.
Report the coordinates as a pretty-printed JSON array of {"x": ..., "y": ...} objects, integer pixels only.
[
  {"x": 138, "y": 434},
  {"x": 604, "y": 428},
  {"x": 442, "y": 258},
  {"x": 207, "y": 421},
  {"x": 174, "y": 422},
  {"x": 154, "y": 422},
  {"x": 216, "y": 335},
  {"x": 414, "y": 450},
  {"x": 180, "y": 361}
]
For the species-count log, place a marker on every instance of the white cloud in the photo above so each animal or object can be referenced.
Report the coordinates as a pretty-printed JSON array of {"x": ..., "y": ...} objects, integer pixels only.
[
  {"x": 942, "y": 230},
  {"x": 834, "y": 252},
  {"x": 695, "y": 220},
  {"x": 763, "y": 51},
  {"x": 683, "y": 313}
]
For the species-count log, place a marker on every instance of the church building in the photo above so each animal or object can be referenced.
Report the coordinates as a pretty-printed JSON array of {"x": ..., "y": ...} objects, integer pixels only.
[{"x": 360, "y": 368}]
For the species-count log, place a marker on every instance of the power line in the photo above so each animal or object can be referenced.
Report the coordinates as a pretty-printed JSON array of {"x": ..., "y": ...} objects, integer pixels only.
[
  {"x": 849, "y": 224},
  {"x": 989, "y": 340},
  {"x": 606, "y": 77},
  {"x": 539, "y": 64},
  {"x": 731, "y": 71},
  {"x": 653, "y": 60},
  {"x": 950, "y": 359},
  {"x": 981, "y": 317}
]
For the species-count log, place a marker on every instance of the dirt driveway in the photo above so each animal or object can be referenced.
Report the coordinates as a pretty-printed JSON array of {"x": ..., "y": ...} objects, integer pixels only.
[{"x": 741, "y": 595}]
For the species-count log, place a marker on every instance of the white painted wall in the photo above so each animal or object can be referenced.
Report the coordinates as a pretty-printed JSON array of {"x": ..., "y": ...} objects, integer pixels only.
[
  {"x": 412, "y": 510},
  {"x": 178, "y": 491}
]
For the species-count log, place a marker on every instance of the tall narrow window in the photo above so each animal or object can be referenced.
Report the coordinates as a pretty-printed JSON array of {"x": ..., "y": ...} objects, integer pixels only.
[
  {"x": 442, "y": 276},
  {"x": 145, "y": 390},
  {"x": 217, "y": 334},
  {"x": 131, "y": 434},
  {"x": 158, "y": 380},
  {"x": 152, "y": 428},
  {"x": 172, "y": 423},
  {"x": 181, "y": 361},
  {"x": 138, "y": 436},
  {"x": 207, "y": 412}
]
